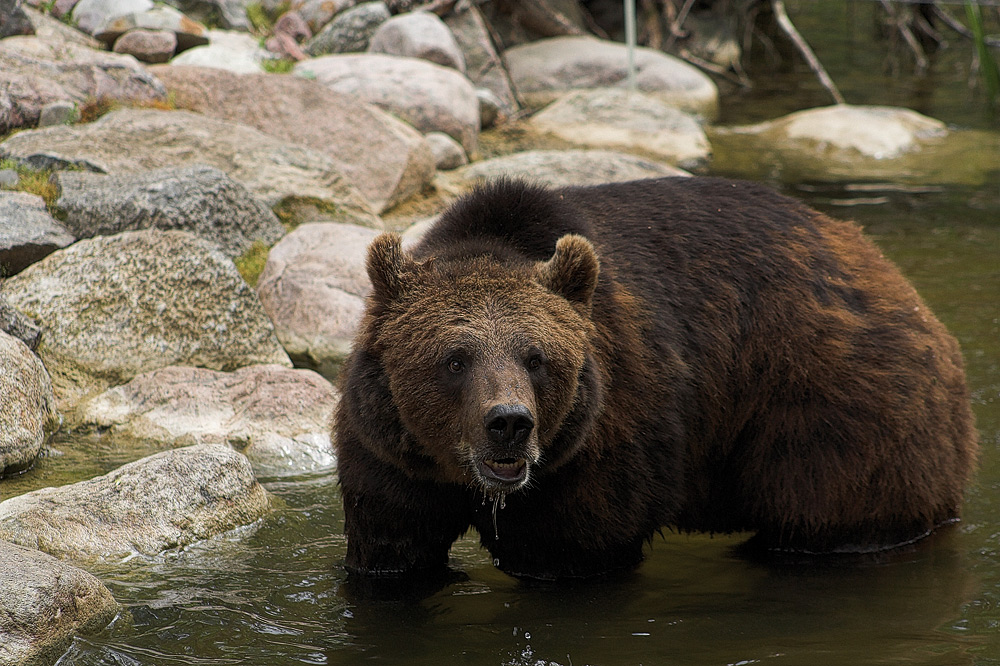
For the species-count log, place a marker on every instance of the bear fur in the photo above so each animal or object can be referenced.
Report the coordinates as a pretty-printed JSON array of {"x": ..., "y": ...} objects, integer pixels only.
[{"x": 568, "y": 371}]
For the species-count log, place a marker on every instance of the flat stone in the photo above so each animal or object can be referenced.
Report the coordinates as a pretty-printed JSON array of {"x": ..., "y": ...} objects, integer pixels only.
[
  {"x": 418, "y": 35},
  {"x": 28, "y": 415},
  {"x": 350, "y": 31},
  {"x": 28, "y": 233},
  {"x": 162, "y": 18},
  {"x": 237, "y": 52},
  {"x": 152, "y": 46}
]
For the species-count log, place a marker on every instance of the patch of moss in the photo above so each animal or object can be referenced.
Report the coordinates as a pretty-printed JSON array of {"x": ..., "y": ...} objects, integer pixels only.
[
  {"x": 262, "y": 19},
  {"x": 293, "y": 211},
  {"x": 250, "y": 264},
  {"x": 278, "y": 65},
  {"x": 93, "y": 109},
  {"x": 34, "y": 181}
]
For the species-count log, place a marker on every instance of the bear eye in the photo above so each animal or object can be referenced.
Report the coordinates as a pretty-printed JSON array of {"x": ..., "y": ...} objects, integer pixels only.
[
  {"x": 535, "y": 361},
  {"x": 455, "y": 365}
]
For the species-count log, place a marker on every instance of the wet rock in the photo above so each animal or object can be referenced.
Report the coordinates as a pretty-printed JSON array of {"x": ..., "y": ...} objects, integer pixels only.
[
  {"x": 350, "y": 31},
  {"x": 14, "y": 323},
  {"x": 448, "y": 153},
  {"x": 168, "y": 500},
  {"x": 384, "y": 157},
  {"x": 187, "y": 33},
  {"x": 89, "y": 15},
  {"x": 279, "y": 418},
  {"x": 28, "y": 232},
  {"x": 116, "y": 306},
  {"x": 196, "y": 198},
  {"x": 313, "y": 288},
  {"x": 418, "y": 35},
  {"x": 130, "y": 140},
  {"x": 428, "y": 96},
  {"x": 632, "y": 122},
  {"x": 35, "y": 73},
  {"x": 483, "y": 65},
  {"x": 13, "y": 20},
  {"x": 150, "y": 46},
  {"x": 559, "y": 168},
  {"x": 28, "y": 414},
  {"x": 44, "y": 603},
  {"x": 545, "y": 70},
  {"x": 237, "y": 52}
]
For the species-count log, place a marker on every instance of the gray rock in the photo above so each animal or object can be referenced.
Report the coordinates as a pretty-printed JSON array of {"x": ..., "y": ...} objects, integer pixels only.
[
  {"x": 130, "y": 140},
  {"x": 351, "y": 31},
  {"x": 386, "y": 159},
  {"x": 13, "y": 322},
  {"x": 313, "y": 288},
  {"x": 279, "y": 418},
  {"x": 418, "y": 35},
  {"x": 53, "y": 31},
  {"x": 227, "y": 14},
  {"x": 318, "y": 13},
  {"x": 560, "y": 168},
  {"x": 234, "y": 51},
  {"x": 187, "y": 33},
  {"x": 545, "y": 70},
  {"x": 58, "y": 113},
  {"x": 9, "y": 178},
  {"x": 116, "y": 306},
  {"x": 490, "y": 108},
  {"x": 44, "y": 603},
  {"x": 168, "y": 500},
  {"x": 152, "y": 46},
  {"x": 13, "y": 20},
  {"x": 617, "y": 119},
  {"x": 28, "y": 414},
  {"x": 196, "y": 198},
  {"x": 448, "y": 153},
  {"x": 483, "y": 65},
  {"x": 28, "y": 232},
  {"x": 89, "y": 15},
  {"x": 35, "y": 72},
  {"x": 428, "y": 96}
]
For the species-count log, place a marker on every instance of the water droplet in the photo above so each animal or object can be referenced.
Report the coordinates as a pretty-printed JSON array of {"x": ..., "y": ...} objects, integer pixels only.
[
  {"x": 527, "y": 636},
  {"x": 496, "y": 561}
]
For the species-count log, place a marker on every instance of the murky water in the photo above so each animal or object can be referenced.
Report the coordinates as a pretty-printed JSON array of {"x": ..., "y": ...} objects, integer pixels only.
[{"x": 276, "y": 594}]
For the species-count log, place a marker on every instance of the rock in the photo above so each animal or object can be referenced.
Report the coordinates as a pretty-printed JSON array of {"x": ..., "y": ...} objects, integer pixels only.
[
  {"x": 28, "y": 414},
  {"x": 168, "y": 500},
  {"x": 14, "y": 323},
  {"x": 294, "y": 25},
  {"x": 233, "y": 51},
  {"x": 58, "y": 113},
  {"x": 313, "y": 288},
  {"x": 53, "y": 31},
  {"x": 44, "y": 603},
  {"x": 27, "y": 232},
  {"x": 13, "y": 20},
  {"x": 448, "y": 153},
  {"x": 350, "y": 31},
  {"x": 161, "y": 18},
  {"x": 418, "y": 35},
  {"x": 9, "y": 178},
  {"x": 632, "y": 122},
  {"x": 226, "y": 14},
  {"x": 318, "y": 13},
  {"x": 560, "y": 168},
  {"x": 284, "y": 46},
  {"x": 130, "y": 140},
  {"x": 385, "y": 158},
  {"x": 89, "y": 15},
  {"x": 490, "y": 108},
  {"x": 150, "y": 46},
  {"x": 34, "y": 73},
  {"x": 62, "y": 8},
  {"x": 835, "y": 143},
  {"x": 116, "y": 306},
  {"x": 279, "y": 418},
  {"x": 196, "y": 198},
  {"x": 483, "y": 65},
  {"x": 428, "y": 96},
  {"x": 545, "y": 70}
]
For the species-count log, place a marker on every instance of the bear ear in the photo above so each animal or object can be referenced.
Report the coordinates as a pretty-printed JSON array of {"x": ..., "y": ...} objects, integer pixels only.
[
  {"x": 388, "y": 266},
  {"x": 572, "y": 271}
]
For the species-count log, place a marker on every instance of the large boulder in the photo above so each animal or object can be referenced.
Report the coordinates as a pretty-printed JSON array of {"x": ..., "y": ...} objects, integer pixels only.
[
  {"x": 168, "y": 500},
  {"x": 234, "y": 51},
  {"x": 313, "y": 288},
  {"x": 44, "y": 604},
  {"x": 483, "y": 65},
  {"x": 28, "y": 413},
  {"x": 350, "y": 31},
  {"x": 277, "y": 417},
  {"x": 13, "y": 322},
  {"x": 35, "y": 72},
  {"x": 629, "y": 121},
  {"x": 89, "y": 15},
  {"x": 27, "y": 232},
  {"x": 196, "y": 198},
  {"x": 428, "y": 96},
  {"x": 116, "y": 306},
  {"x": 386, "y": 159},
  {"x": 130, "y": 140},
  {"x": 13, "y": 20},
  {"x": 418, "y": 34},
  {"x": 187, "y": 33},
  {"x": 545, "y": 70}
]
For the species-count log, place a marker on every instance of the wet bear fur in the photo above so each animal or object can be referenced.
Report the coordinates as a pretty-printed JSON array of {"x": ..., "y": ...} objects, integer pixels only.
[{"x": 690, "y": 353}]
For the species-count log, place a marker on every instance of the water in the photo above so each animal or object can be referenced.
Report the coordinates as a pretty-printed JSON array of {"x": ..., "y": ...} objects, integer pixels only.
[{"x": 275, "y": 593}]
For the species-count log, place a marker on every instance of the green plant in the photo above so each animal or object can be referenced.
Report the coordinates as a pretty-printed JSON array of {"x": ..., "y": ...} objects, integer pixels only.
[
  {"x": 250, "y": 264},
  {"x": 34, "y": 181},
  {"x": 987, "y": 63},
  {"x": 263, "y": 20},
  {"x": 278, "y": 65}
]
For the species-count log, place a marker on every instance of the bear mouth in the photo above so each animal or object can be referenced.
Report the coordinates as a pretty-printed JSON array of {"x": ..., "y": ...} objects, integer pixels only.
[{"x": 504, "y": 472}]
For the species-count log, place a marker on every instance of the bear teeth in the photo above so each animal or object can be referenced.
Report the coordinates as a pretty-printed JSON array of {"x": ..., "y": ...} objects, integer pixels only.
[{"x": 506, "y": 469}]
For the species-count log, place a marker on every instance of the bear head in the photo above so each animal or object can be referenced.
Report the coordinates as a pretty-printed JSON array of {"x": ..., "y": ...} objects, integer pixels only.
[{"x": 488, "y": 359}]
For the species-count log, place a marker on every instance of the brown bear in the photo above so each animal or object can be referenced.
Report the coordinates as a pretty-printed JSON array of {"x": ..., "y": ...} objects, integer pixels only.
[{"x": 571, "y": 370}]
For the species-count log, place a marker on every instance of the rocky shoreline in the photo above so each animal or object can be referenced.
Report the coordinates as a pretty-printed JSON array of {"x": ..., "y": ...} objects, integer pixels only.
[{"x": 123, "y": 313}]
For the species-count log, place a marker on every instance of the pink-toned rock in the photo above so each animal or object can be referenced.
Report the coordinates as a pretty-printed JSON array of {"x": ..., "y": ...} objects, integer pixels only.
[
  {"x": 317, "y": 13},
  {"x": 418, "y": 35},
  {"x": 152, "y": 46},
  {"x": 62, "y": 7},
  {"x": 285, "y": 46},
  {"x": 293, "y": 25}
]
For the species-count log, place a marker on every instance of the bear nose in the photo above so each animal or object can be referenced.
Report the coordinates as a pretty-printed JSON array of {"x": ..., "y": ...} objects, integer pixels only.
[{"x": 508, "y": 424}]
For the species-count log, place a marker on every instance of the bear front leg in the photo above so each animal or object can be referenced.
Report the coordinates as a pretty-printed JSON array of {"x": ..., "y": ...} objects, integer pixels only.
[{"x": 396, "y": 525}]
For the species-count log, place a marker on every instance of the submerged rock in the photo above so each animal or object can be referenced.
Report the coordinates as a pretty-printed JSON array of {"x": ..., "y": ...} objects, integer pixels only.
[{"x": 168, "y": 500}]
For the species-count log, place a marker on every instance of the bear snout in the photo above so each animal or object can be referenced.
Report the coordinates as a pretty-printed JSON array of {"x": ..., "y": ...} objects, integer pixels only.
[
  {"x": 510, "y": 448},
  {"x": 508, "y": 425}
]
